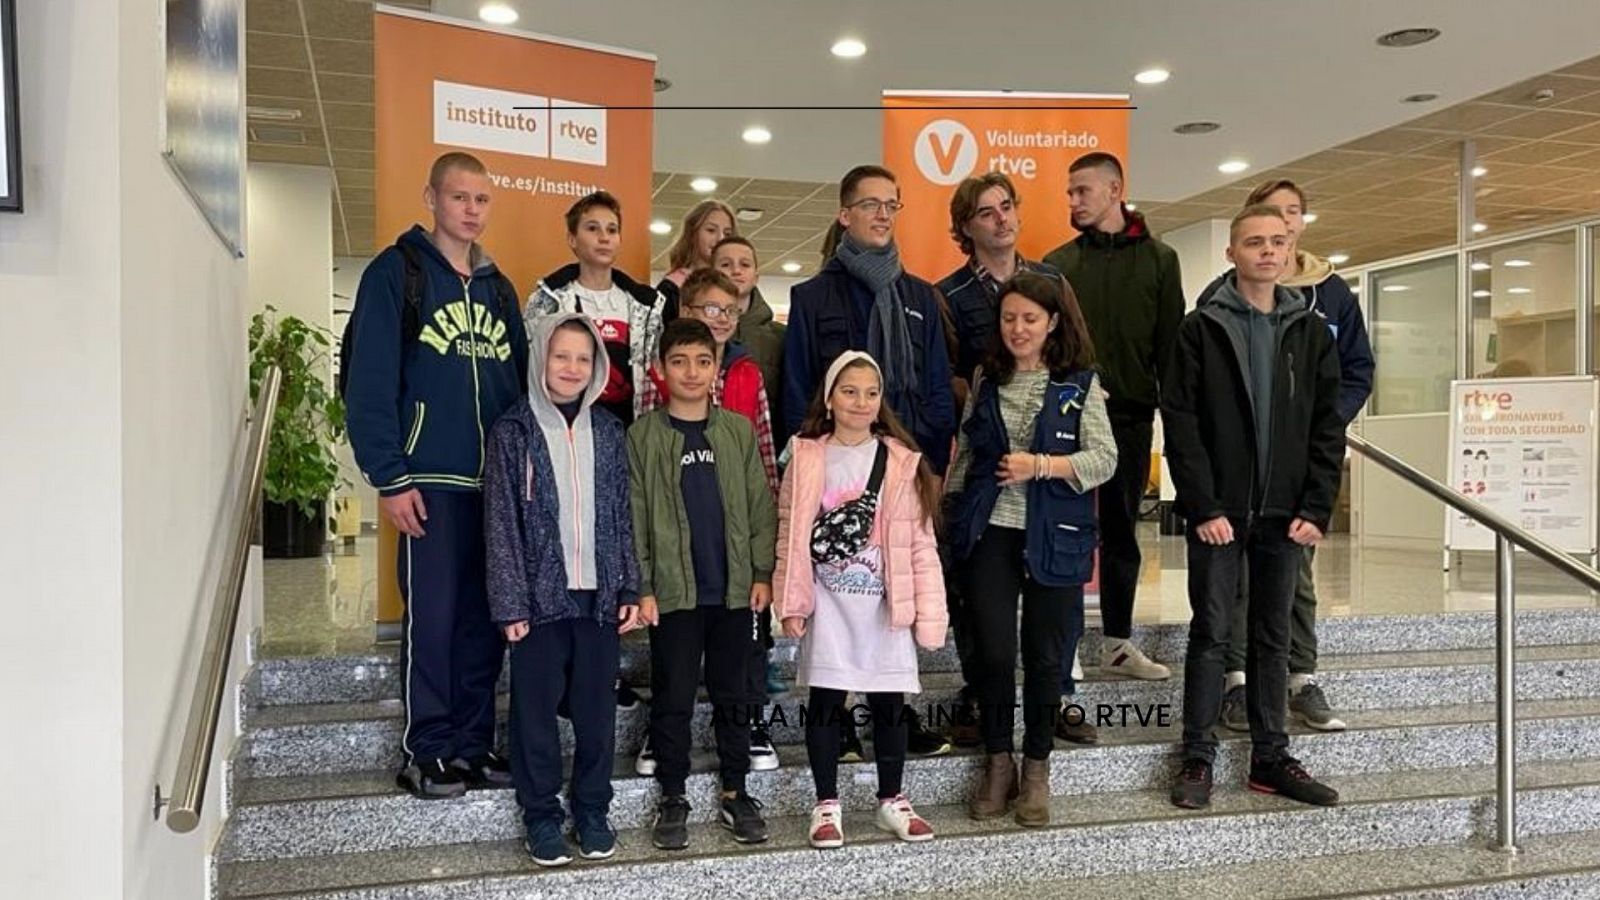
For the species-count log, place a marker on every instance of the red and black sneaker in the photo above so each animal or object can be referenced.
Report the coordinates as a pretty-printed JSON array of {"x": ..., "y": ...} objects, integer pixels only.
[
  {"x": 1284, "y": 775},
  {"x": 1193, "y": 790}
]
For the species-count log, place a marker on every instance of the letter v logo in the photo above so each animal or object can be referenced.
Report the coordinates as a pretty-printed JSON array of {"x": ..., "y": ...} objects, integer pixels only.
[{"x": 946, "y": 151}]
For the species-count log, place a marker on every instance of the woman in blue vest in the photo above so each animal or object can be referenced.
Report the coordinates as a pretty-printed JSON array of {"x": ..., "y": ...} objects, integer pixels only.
[{"x": 1034, "y": 441}]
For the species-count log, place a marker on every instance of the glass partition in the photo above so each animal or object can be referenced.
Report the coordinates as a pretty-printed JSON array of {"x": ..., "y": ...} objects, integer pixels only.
[
  {"x": 1524, "y": 308},
  {"x": 1413, "y": 329}
]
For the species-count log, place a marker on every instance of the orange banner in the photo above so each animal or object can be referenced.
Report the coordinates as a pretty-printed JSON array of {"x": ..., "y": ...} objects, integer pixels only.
[
  {"x": 546, "y": 117},
  {"x": 934, "y": 139}
]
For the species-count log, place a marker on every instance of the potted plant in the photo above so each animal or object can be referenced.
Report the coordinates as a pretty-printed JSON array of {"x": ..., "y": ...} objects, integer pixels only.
[{"x": 302, "y": 470}]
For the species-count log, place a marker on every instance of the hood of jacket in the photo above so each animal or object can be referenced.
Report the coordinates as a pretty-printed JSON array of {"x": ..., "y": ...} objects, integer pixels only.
[
  {"x": 1134, "y": 230},
  {"x": 478, "y": 259},
  {"x": 1314, "y": 270},
  {"x": 543, "y": 329}
]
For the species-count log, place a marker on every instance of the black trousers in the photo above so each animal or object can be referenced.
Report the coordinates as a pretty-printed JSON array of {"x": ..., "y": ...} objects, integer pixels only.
[
  {"x": 826, "y": 712},
  {"x": 450, "y": 652},
  {"x": 719, "y": 638},
  {"x": 1302, "y": 623},
  {"x": 1263, "y": 552},
  {"x": 575, "y": 658},
  {"x": 1119, "y": 514},
  {"x": 961, "y": 626},
  {"x": 996, "y": 573}
]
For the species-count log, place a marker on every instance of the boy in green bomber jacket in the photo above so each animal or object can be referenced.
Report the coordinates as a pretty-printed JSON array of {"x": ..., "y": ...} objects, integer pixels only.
[{"x": 705, "y": 532}]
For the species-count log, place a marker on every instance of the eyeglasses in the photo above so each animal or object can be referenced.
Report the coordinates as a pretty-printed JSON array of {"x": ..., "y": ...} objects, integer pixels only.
[
  {"x": 713, "y": 311},
  {"x": 872, "y": 206}
]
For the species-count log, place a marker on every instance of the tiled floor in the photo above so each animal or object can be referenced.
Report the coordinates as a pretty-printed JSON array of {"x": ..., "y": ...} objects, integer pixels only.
[{"x": 326, "y": 606}]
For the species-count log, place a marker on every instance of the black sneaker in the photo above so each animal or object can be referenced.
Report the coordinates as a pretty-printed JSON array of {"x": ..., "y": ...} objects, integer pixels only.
[
  {"x": 1075, "y": 728},
  {"x": 1310, "y": 705},
  {"x": 1234, "y": 715},
  {"x": 1287, "y": 777},
  {"x": 922, "y": 741},
  {"x": 671, "y": 828},
  {"x": 1193, "y": 790},
  {"x": 849, "y": 742},
  {"x": 627, "y": 698},
  {"x": 741, "y": 814},
  {"x": 431, "y": 779},
  {"x": 490, "y": 770},
  {"x": 763, "y": 756},
  {"x": 593, "y": 835},
  {"x": 545, "y": 845}
]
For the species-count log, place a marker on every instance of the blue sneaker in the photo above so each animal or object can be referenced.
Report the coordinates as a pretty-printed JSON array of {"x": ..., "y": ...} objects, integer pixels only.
[
  {"x": 545, "y": 845},
  {"x": 594, "y": 835}
]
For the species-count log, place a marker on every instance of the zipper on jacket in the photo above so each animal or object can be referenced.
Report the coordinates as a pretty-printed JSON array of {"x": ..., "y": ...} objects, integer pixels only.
[
  {"x": 577, "y": 508},
  {"x": 477, "y": 400}
]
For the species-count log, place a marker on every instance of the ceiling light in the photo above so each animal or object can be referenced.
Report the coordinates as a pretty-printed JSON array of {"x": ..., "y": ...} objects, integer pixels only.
[
  {"x": 1479, "y": 228},
  {"x": 703, "y": 185},
  {"x": 497, "y": 13},
  {"x": 791, "y": 267},
  {"x": 1395, "y": 288},
  {"x": 1355, "y": 286},
  {"x": 1480, "y": 294},
  {"x": 1423, "y": 97},
  {"x": 272, "y": 113},
  {"x": 749, "y": 213},
  {"x": 755, "y": 134},
  {"x": 1131, "y": 206},
  {"x": 1543, "y": 95},
  {"x": 1407, "y": 37},
  {"x": 1339, "y": 259},
  {"x": 1309, "y": 218},
  {"x": 848, "y": 48},
  {"x": 1519, "y": 290},
  {"x": 1233, "y": 167},
  {"x": 1516, "y": 263},
  {"x": 1481, "y": 267},
  {"x": 662, "y": 84},
  {"x": 1198, "y": 127},
  {"x": 1152, "y": 76},
  {"x": 661, "y": 226},
  {"x": 1479, "y": 171}
]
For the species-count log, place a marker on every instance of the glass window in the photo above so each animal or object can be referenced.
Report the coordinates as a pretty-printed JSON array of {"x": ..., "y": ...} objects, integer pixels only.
[
  {"x": 1524, "y": 308},
  {"x": 1413, "y": 328},
  {"x": 1594, "y": 326}
]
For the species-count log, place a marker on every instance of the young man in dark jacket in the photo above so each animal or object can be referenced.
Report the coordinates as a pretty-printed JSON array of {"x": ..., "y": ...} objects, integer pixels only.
[
  {"x": 425, "y": 386},
  {"x": 1255, "y": 442},
  {"x": 1330, "y": 298},
  {"x": 1131, "y": 293}
]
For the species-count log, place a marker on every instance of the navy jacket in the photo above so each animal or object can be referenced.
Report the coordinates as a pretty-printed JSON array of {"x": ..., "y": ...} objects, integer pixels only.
[
  {"x": 1332, "y": 300},
  {"x": 976, "y": 314},
  {"x": 418, "y": 415},
  {"x": 829, "y": 314}
]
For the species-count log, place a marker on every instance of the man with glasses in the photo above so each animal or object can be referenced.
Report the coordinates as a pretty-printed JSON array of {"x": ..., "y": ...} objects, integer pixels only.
[{"x": 864, "y": 300}]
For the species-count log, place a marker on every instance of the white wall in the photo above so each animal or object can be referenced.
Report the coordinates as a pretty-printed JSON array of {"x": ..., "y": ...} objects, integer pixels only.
[
  {"x": 346, "y": 278},
  {"x": 1202, "y": 254},
  {"x": 118, "y": 414}
]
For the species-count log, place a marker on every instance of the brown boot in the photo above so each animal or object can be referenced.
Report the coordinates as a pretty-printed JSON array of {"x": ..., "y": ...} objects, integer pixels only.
[
  {"x": 998, "y": 787},
  {"x": 1033, "y": 801}
]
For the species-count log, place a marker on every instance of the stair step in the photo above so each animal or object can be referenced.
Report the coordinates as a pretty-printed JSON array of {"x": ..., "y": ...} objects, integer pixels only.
[
  {"x": 1380, "y": 812},
  {"x": 273, "y": 817},
  {"x": 310, "y": 738}
]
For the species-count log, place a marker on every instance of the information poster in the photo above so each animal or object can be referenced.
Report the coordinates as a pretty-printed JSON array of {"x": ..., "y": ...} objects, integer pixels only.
[{"x": 1525, "y": 448}]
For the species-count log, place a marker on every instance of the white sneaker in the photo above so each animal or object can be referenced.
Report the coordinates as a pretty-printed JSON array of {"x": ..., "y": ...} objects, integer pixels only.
[
  {"x": 896, "y": 816},
  {"x": 763, "y": 756},
  {"x": 645, "y": 764},
  {"x": 1122, "y": 658},
  {"x": 1077, "y": 666},
  {"x": 827, "y": 825}
]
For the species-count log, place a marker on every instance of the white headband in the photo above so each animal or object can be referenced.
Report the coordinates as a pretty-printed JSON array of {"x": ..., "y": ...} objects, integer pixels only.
[{"x": 845, "y": 359}]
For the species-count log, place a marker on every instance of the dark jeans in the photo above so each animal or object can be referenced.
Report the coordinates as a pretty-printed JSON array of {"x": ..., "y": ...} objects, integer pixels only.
[
  {"x": 576, "y": 658},
  {"x": 720, "y": 637},
  {"x": 824, "y": 715},
  {"x": 996, "y": 573},
  {"x": 1119, "y": 514},
  {"x": 1302, "y": 623},
  {"x": 1271, "y": 559},
  {"x": 960, "y": 610}
]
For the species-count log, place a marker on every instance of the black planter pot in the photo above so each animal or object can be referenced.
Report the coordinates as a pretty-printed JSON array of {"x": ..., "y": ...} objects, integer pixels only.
[{"x": 286, "y": 534}]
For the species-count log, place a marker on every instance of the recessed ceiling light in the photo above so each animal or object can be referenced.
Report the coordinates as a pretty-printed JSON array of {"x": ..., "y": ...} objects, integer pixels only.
[
  {"x": 497, "y": 13},
  {"x": 1152, "y": 76},
  {"x": 1481, "y": 267},
  {"x": 848, "y": 48},
  {"x": 1516, "y": 263},
  {"x": 1395, "y": 288},
  {"x": 1355, "y": 286},
  {"x": 1339, "y": 259},
  {"x": 1519, "y": 290},
  {"x": 662, "y": 84},
  {"x": 791, "y": 267},
  {"x": 1131, "y": 206},
  {"x": 1479, "y": 228},
  {"x": 1423, "y": 97},
  {"x": 748, "y": 213},
  {"x": 755, "y": 134},
  {"x": 1480, "y": 294},
  {"x": 1407, "y": 37},
  {"x": 1543, "y": 95},
  {"x": 1479, "y": 171},
  {"x": 703, "y": 185},
  {"x": 272, "y": 113},
  {"x": 1309, "y": 218},
  {"x": 661, "y": 226},
  {"x": 1198, "y": 127},
  {"x": 1233, "y": 167}
]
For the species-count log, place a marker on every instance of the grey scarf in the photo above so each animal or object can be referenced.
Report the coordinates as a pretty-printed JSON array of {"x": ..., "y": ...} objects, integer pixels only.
[{"x": 888, "y": 338}]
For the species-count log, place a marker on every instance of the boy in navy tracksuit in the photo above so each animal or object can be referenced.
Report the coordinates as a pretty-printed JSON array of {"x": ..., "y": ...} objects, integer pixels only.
[
  {"x": 426, "y": 382},
  {"x": 562, "y": 573}
]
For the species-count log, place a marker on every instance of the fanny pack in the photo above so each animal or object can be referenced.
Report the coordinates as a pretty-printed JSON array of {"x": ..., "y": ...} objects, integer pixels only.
[{"x": 842, "y": 532}]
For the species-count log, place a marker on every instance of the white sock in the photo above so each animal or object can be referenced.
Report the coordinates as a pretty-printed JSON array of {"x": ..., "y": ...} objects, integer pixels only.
[
  {"x": 1300, "y": 680},
  {"x": 1232, "y": 680}
]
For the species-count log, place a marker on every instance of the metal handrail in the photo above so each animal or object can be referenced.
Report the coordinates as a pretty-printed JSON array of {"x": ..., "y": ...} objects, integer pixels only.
[
  {"x": 1508, "y": 537},
  {"x": 205, "y": 705}
]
